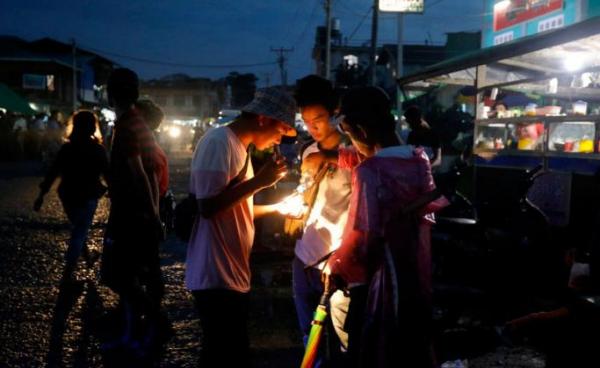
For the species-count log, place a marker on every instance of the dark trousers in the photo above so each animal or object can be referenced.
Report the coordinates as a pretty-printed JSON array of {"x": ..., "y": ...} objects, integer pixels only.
[
  {"x": 223, "y": 317},
  {"x": 131, "y": 267},
  {"x": 355, "y": 322}
]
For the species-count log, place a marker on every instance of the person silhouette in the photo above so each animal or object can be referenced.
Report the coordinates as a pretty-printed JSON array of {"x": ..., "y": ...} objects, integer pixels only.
[{"x": 80, "y": 163}]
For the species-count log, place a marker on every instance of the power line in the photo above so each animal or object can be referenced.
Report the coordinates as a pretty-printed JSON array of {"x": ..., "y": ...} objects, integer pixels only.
[
  {"x": 308, "y": 22},
  {"x": 346, "y": 9},
  {"x": 433, "y": 4},
  {"x": 287, "y": 31},
  {"x": 360, "y": 23},
  {"x": 165, "y": 63},
  {"x": 281, "y": 60}
]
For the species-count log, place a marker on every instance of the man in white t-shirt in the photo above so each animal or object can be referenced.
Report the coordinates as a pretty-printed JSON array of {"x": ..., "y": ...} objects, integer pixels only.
[
  {"x": 322, "y": 233},
  {"x": 218, "y": 256}
]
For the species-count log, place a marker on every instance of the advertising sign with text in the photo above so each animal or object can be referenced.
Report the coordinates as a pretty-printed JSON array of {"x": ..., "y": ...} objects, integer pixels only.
[{"x": 507, "y": 13}]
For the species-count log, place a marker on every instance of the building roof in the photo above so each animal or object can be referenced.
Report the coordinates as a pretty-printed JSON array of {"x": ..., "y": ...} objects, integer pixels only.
[
  {"x": 419, "y": 54},
  {"x": 181, "y": 81},
  {"x": 45, "y": 50},
  {"x": 507, "y": 50},
  {"x": 11, "y": 101}
]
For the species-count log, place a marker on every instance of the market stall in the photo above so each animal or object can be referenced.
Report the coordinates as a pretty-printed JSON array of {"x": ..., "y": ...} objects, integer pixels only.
[{"x": 537, "y": 99}]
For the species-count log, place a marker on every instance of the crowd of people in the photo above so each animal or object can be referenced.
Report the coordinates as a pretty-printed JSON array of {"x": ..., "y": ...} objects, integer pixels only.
[
  {"x": 361, "y": 232},
  {"x": 33, "y": 137},
  {"x": 38, "y": 137}
]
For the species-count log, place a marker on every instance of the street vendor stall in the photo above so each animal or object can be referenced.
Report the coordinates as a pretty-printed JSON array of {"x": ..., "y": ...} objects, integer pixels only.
[{"x": 537, "y": 100}]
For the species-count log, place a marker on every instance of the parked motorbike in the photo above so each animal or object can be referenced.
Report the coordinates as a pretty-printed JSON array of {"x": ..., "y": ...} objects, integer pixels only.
[{"x": 501, "y": 246}]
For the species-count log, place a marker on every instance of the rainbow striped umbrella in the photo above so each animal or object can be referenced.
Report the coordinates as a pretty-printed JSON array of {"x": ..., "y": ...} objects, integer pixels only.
[{"x": 314, "y": 337}]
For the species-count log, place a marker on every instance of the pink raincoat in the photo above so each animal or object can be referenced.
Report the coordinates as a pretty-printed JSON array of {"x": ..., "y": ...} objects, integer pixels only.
[{"x": 397, "y": 268}]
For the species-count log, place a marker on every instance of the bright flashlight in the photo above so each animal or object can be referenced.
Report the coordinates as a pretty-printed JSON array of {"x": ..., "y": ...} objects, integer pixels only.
[{"x": 174, "y": 132}]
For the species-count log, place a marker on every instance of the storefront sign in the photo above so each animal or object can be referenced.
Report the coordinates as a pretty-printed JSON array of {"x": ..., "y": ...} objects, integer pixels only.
[
  {"x": 402, "y": 6},
  {"x": 507, "y": 13},
  {"x": 504, "y": 37},
  {"x": 551, "y": 23}
]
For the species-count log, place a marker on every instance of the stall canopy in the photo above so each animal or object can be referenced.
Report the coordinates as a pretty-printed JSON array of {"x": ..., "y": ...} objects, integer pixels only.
[
  {"x": 525, "y": 64},
  {"x": 11, "y": 101}
]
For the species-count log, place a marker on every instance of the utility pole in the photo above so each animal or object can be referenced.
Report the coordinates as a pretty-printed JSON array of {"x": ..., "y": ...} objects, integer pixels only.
[
  {"x": 374, "y": 41},
  {"x": 74, "y": 67},
  {"x": 267, "y": 78},
  {"x": 281, "y": 60},
  {"x": 399, "y": 61},
  {"x": 328, "y": 39}
]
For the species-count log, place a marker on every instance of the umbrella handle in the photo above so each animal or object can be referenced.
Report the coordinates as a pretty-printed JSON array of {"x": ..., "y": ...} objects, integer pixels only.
[{"x": 327, "y": 291}]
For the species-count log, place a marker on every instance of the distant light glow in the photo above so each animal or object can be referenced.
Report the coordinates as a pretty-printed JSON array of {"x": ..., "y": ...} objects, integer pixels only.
[
  {"x": 33, "y": 106},
  {"x": 501, "y": 5},
  {"x": 109, "y": 115},
  {"x": 574, "y": 62},
  {"x": 174, "y": 132}
]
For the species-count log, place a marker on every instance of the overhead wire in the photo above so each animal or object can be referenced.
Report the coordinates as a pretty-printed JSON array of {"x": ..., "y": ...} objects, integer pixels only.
[
  {"x": 182, "y": 65},
  {"x": 360, "y": 23},
  {"x": 294, "y": 18},
  {"x": 308, "y": 22}
]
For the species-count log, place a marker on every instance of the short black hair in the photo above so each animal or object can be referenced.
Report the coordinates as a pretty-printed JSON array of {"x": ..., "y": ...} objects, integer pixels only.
[
  {"x": 371, "y": 108},
  {"x": 84, "y": 126},
  {"x": 315, "y": 90},
  {"x": 245, "y": 115},
  {"x": 413, "y": 113},
  {"x": 123, "y": 87},
  {"x": 151, "y": 112}
]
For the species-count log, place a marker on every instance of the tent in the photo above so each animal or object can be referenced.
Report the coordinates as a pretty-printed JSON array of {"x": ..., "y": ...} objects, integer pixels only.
[{"x": 11, "y": 101}]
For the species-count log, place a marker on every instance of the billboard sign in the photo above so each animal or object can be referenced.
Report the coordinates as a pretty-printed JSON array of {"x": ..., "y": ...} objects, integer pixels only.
[
  {"x": 508, "y": 13},
  {"x": 402, "y": 6}
]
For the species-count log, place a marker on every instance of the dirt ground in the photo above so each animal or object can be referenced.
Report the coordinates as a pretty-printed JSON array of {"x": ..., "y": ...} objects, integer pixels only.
[{"x": 44, "y": 324}]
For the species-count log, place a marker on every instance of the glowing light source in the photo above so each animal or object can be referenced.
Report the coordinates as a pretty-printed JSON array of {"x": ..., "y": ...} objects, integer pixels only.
[
  {"x": 501, "y": 5},
  {"x": 174, "y": 132},
  {"x": 108, "y": 114},
  {"x": 292, "y": 205},
  {"x": 574, "y": 62}
]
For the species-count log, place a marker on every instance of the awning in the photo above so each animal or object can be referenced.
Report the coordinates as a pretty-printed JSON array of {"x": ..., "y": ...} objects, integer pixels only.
[
  {"x": 513, "y": 49},
  {"x": 11, "y": 101}
]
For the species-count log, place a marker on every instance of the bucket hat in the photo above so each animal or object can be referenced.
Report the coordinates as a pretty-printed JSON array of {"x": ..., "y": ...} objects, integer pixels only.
[{"x": 275, "y": 103}]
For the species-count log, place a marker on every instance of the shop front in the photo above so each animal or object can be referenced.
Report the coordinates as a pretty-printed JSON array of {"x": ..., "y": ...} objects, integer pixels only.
[{"x": 536, "y": 102}]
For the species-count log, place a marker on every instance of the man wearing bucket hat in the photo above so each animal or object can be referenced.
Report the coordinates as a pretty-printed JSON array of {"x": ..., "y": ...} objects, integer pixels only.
[{"x": 223, "y": 181}]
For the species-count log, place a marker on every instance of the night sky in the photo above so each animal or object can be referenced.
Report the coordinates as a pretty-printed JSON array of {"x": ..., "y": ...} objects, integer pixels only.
[{"x": 219, "y": 32}]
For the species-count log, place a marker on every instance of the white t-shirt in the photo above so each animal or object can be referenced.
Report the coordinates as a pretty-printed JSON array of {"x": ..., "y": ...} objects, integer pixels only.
[
  {"x": 20, "y": 124},
  {"x": 218, "y": 254},
  {"x": 326, "y": 222}
]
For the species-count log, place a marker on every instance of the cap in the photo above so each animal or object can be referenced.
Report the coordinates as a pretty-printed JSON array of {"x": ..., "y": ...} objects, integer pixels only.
[{"x": 275, "y": 103}]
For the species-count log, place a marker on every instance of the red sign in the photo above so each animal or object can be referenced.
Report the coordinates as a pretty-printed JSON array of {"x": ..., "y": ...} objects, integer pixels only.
[{"x": 507, "y": 13}]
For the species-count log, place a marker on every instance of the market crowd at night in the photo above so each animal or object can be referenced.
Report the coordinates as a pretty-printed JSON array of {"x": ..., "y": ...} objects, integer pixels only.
[{"x": 300, "y": 183}]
